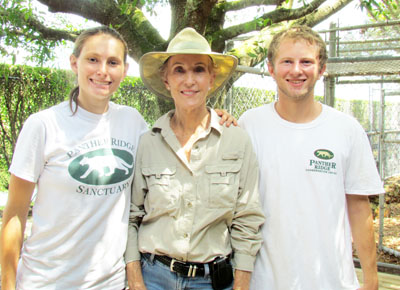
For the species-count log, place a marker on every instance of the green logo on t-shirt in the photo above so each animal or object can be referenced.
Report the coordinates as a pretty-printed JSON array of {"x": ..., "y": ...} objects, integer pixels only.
[
  {"x": 323, "y": 154},
  {"x": 322, "y": 166},
  {"x": 102, "y": 167}
]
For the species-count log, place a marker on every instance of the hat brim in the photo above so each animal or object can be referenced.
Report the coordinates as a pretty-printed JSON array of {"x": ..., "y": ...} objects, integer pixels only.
[{"x": 150, "y": 63}]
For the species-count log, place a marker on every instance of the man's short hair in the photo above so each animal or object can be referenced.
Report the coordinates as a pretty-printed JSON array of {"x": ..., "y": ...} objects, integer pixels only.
[{"x": 298, "y": 32}]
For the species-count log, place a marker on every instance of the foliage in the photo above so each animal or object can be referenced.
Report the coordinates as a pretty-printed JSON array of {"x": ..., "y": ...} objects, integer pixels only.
[
  {"x": 360, "y": 109},
  {"x": 4, "y": 178},
  {"x": 18, "y": 30},
  {"x": 133, "y": 93},
  {"x": 382, "y": 10},
  {"x": 25, "y": 90}
]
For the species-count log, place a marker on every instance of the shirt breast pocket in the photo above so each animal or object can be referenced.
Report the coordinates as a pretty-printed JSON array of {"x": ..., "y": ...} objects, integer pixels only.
[
  {"x": 160, "y": 184},
  {"x": 223, "y": 184}
]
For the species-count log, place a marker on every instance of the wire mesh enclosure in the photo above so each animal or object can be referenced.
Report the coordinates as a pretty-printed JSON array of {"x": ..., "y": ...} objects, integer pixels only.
[{"x": 363, "y": 58}]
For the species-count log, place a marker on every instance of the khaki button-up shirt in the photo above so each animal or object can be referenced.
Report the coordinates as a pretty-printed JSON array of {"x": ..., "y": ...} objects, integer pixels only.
[{"x": 200, "y": 209}]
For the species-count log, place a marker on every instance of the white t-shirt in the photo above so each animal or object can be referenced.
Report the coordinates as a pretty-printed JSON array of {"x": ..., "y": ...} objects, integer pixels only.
[
  {"x": 306, "y": 170},
  {"x": 83, "y": 166}
]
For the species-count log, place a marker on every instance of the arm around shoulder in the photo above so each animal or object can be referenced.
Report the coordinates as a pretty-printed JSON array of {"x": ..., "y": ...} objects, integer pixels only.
[
  {"x": 13, "y": 228},
  {"x": 137, "y": 211}
]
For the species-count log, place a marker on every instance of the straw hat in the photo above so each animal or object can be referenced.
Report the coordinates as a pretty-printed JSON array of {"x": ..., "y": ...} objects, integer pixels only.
[{"x": 187, "y": 41}]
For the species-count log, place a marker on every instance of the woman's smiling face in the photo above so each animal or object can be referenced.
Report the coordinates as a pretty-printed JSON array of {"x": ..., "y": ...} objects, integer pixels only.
[
  {"x": 189, "y": 78},
  {"x": 100, "y": 68}
]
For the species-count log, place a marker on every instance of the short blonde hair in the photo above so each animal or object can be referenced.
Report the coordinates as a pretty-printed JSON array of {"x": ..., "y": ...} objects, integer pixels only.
[{"x": 298, "y": 32}]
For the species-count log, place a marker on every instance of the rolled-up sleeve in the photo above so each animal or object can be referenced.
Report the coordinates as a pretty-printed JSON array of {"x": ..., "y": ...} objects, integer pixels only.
[
  {"x": 136, "y": 214},
  {"x": 246, "y": 237}
]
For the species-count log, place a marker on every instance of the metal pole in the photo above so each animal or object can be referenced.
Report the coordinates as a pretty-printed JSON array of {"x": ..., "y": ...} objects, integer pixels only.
[
  {"x": 371, "y": 110},
  {"x": 329, "y": 82},
  {"x": 381, "y": 167},
  {"x": 354, "y": 27}
]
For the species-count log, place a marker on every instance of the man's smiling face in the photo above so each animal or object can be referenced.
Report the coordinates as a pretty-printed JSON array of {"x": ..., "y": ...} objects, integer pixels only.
[{"x": 296, "y": 69}]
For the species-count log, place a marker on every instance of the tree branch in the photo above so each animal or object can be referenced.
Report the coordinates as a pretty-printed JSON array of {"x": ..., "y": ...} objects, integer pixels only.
[
  {"x": 89, "y": 9},
  {"x": 140, "y": 35},
  {"x": 138, "y": 32},
  {"x": 322, "y": 13},
  {"x": 50, "y": 33},
  {"x": 241, "y": 4},
  {"x": 268, "y": 19},
  {"x": 44, "y": 31},
  {"x": 253, "y": 51}
]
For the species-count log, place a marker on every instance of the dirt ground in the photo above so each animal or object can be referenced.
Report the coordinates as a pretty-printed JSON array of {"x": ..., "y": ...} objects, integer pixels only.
[
  {"x": 391, "y": 233},
  {"x": 391, "y": 225}
]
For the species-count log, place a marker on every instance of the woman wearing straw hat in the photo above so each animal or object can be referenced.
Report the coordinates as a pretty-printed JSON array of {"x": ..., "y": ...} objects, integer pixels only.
[{"x": 195, "y": 212}]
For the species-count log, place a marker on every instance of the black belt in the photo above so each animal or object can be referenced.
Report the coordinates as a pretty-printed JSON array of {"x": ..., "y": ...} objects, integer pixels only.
[{"x": 185, "y": 268}]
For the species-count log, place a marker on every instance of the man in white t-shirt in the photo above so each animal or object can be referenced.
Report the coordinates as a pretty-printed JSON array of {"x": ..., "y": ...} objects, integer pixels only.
[{"x": 316, "y": 172}]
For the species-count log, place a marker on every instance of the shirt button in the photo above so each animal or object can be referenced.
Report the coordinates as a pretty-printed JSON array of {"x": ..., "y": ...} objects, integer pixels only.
[
  {"x": 185, "y": 235},
  {"x": 189, "y": 204}
]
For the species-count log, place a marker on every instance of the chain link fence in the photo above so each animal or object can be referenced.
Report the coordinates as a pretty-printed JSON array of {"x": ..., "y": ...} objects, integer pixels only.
[{"x": 391, "y": 137}]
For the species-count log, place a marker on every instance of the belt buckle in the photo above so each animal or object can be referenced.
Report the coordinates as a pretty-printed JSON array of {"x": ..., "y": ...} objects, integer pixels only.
[{"x": 171, "y": 265}]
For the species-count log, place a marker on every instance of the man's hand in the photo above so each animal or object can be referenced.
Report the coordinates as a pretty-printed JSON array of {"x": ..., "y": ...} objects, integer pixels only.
[
  {"x": 134, "y": 275},
  {"x": 242, "y": 280},
  {"x": 226, "y": 118},
  {"x": 371, "y": 284},
  {"x": 370, "y": 287}
]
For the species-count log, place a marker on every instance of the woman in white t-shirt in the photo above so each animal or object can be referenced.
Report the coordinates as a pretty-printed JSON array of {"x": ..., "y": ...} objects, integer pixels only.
[{"x": 80, "y": 156}]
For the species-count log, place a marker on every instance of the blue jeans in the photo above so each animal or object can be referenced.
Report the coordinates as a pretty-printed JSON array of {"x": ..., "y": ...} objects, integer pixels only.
[{"x": 158, "y": 276}]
